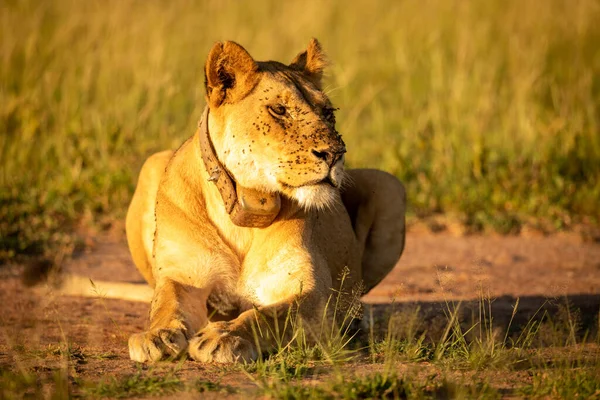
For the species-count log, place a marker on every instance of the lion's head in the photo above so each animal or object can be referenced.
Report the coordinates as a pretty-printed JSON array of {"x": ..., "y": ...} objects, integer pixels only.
[{"x": 272, "y": 126}]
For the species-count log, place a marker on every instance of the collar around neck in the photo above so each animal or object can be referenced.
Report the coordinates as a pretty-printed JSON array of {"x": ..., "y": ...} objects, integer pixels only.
[{"x": 246, "y": 207}]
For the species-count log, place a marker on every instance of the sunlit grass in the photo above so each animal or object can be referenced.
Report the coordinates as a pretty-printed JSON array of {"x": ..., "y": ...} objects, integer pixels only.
[
  {"x": 549, "y": 355},
  {"x": 488, "y": 111}
]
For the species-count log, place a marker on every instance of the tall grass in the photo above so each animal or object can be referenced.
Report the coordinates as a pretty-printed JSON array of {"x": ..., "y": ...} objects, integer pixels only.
[{"x": 487, "y": 110}]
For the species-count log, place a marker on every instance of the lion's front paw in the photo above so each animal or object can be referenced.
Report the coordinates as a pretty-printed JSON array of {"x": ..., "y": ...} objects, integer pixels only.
[
  {"x": 216, "y": 343},
  {"x": 156, "y": 345}
]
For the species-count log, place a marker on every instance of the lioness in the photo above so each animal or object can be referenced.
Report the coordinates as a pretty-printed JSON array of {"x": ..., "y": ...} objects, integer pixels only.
[{"x": 254, "y": 213}]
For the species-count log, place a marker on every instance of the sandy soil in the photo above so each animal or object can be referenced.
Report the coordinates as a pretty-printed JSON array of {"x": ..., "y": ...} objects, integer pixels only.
[{"x": 435, "y": 268}]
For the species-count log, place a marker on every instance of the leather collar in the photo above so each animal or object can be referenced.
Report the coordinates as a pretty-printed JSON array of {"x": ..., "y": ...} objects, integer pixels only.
[{"x": 246, "y": 207}]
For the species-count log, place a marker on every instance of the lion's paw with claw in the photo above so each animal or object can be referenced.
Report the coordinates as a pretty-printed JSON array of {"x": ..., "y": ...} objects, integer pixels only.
[
  {"x": 217, "y": 343},
  {"x": 157, "y": 344}
]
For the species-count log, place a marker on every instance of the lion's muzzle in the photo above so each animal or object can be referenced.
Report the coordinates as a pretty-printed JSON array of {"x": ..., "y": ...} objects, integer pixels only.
[{"x": 330, "y": 155}]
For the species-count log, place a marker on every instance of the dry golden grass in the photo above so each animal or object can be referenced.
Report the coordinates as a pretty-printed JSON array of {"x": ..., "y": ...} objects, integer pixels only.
[{"x": 488, "y": 110}]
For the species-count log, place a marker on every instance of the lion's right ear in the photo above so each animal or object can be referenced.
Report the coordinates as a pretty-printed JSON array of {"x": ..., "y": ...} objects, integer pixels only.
[
  {"x": 311, "y": 62},
  {"x": 230, "y": 73}
]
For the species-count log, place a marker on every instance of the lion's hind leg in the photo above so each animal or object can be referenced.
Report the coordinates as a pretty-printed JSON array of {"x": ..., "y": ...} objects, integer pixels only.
[
  {"x": 141, "y": 223},
  {"x": 376, "y": 203}
]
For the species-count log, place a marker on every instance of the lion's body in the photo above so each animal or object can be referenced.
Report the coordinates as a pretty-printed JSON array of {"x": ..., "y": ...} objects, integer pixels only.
[{"x": 201, "y": 264}]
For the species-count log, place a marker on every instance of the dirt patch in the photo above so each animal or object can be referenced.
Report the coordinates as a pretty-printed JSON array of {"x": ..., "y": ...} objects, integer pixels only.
[
  {"x": 439, "y": 267},
  {"x": 434, "y": 270}
]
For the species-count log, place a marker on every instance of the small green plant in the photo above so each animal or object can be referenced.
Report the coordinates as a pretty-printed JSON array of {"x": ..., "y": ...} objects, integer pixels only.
[
  {"x": 561, "y": 328},
  {"x": 384, "y": 386},
  {"x": 565, "y": 383},
  {"x": 101, "y": 296},
  {"x": 562, "y": 365},
  {"x": 402, "y": 341},
  {"x": 479, "y": 345},
  {"x": 18, "y": 385},
  {"x": 105, "y": 356},
  {"x": 26, "y": 384},
  {"x": 202, "y": 386},
  {"x": 138, "y": 384},
  {"x": 377, "y": 386}
]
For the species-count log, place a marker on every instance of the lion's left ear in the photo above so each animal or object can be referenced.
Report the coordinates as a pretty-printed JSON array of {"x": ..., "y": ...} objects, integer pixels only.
[
  {"x": 230, "y": 73},
  {"x": 311, "y": 62}
]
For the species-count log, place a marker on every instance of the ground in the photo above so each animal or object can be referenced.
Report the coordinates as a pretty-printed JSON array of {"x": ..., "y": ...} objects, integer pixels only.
[{"x": 86, "y": 338}]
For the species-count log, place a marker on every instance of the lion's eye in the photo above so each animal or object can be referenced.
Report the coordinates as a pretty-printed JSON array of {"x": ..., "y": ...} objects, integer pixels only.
[{"x": 277, "y": 110}]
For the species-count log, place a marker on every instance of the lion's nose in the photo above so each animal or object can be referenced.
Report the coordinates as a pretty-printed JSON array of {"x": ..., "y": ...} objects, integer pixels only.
[{"x": 330, "y": 155}]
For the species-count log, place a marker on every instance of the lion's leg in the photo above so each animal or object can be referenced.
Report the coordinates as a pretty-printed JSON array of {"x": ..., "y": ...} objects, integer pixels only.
[
  {"x": 177, "y": 312},
  {"x": 140, "y": 223},
  {"x": 376, "y": 203},
  {"x": 258, "y": 330},
  {"x": 284, "y": 283}
]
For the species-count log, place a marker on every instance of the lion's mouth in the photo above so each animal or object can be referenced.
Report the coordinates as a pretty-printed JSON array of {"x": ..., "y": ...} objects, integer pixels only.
[
  {"x": 315, "y": 182},
  {"x": 328, "y": 181}
]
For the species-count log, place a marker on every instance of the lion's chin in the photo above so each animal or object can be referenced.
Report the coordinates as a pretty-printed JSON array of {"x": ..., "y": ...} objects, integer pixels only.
[{"x": 318, "y": 196}]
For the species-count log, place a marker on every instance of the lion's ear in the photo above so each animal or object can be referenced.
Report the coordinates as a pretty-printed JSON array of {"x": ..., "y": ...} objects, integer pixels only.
[
  {"x": 311, "y": 62},
  {"x": 230, "y": 73}
]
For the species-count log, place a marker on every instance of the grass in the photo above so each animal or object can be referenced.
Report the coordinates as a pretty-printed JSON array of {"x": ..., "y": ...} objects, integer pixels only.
[
  {"x": 552, "y": 354},
  {"x": 469, "y": 358},
  {"x": 59, "y": 385},
  {"x": 379, "y": 386},
  {"x": 488, "y": 111},
  {"x": 136, "y": 385},
  {"x": 472, "y": 356},
  {"x": 574, "y": 383},
  {"x": 27, "y": 385}
]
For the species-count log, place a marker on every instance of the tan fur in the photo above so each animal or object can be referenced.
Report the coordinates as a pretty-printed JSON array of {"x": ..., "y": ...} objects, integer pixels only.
[{"x": 184, "y": 243}]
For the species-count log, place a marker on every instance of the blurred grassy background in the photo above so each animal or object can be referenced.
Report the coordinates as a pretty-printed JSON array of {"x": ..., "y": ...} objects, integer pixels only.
[{"x": 489, "y": 111}]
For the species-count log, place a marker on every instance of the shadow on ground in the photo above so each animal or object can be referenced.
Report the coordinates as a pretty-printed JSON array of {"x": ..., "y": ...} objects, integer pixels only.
[{"x": 576, "y": 315}]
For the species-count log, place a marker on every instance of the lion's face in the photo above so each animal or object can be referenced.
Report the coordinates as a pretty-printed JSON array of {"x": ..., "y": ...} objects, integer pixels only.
[{"x": 273, "y": 128}]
